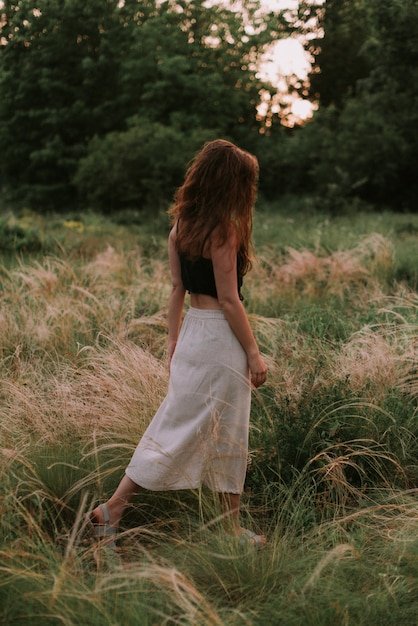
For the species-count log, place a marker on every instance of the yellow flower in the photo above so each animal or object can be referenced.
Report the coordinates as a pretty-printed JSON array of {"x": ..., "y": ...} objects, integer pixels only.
[{"x": 75, "y": 225}]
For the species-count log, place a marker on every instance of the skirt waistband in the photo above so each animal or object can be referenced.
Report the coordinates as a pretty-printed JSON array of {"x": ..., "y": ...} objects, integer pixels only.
[{"x": 205, "y": 313}]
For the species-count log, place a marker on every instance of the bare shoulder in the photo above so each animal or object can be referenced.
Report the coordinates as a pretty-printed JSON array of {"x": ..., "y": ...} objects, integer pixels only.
[
  {"x": 173, "y": 233},
  {"x": 172, "y": 237},
  {"x": 218, "y": 239}
]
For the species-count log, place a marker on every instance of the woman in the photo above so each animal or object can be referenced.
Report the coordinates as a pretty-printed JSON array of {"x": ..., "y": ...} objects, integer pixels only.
[{"x": 199, "y": 435}]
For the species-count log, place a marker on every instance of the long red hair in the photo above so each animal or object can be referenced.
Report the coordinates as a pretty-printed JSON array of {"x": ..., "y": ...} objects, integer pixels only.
[{"x": 219, "y": 189}]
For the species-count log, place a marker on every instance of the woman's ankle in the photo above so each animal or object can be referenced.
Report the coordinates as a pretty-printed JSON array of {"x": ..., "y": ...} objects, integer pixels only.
[{"x": 104, "y": 514}]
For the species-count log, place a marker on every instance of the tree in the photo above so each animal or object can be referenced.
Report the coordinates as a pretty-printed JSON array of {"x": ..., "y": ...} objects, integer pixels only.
[
  {"x": 56, "y": 76},
  {"x": 340, "y": 58},
  {"x": 390, "y": 95},
  {"x": 72, "y": 71},
  {"x": 139, "y": 167},
  {"x": 363, "y": 141}
]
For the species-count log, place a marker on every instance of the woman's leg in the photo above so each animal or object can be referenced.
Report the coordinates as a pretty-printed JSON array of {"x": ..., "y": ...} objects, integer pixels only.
[
  {"x": 117, "y": 503},
  {"x": 230, "y": 503}
]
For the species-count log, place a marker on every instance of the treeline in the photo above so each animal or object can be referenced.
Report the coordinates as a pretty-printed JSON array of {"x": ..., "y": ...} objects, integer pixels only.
[
  {"x": 363, "y": 141},
  {"x": 102, "y": 103}
]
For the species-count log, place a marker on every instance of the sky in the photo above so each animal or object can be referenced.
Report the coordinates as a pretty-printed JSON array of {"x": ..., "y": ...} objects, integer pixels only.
[
  {"x": 286, "y": 57},
  {"x": 290, "y": 56}
]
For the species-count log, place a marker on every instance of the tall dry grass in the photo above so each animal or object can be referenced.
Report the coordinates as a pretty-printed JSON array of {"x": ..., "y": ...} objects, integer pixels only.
[
  {"x": 332, "y": 473},
  {"x": 354, "y": 275}
]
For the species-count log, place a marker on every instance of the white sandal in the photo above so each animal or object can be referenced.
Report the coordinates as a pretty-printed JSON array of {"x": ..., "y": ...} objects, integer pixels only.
[
  {"x": 248, "y": 536},
  {"x": 104, "y": 531}
]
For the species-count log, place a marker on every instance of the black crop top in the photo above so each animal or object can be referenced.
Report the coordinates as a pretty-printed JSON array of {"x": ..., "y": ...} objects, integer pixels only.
[{"x": 198, "y": 276}]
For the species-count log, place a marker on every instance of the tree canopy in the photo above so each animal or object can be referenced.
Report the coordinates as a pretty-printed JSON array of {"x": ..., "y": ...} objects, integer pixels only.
[
  {"x": 342, "y": 59},
  {"x": 104, "y": 102},
  {"x": 363, "y": 140},
  {"x": 141, "y": 81}
]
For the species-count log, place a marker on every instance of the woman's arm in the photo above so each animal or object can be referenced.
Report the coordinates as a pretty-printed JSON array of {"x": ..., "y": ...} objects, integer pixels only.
[
  {"x": 224, "y": 260},
  {"x": 176, "y": 302}
]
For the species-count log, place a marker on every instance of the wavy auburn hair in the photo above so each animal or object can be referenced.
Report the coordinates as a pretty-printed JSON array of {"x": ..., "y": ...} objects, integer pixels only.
[{"x": 219, "y": 188}]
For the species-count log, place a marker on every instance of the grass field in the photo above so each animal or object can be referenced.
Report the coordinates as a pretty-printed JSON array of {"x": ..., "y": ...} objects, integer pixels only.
[{"x": 333, "y": 473}]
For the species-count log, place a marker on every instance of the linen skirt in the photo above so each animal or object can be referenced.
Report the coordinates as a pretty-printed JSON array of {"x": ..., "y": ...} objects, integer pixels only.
[{"x": 199, "y": 434}]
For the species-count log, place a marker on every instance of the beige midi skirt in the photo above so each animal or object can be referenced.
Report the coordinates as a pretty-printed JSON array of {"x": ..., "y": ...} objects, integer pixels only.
[{"x": 199, "y": 435}]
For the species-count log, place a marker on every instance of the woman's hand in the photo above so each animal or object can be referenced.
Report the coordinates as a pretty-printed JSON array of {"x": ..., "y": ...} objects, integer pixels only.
[{"x": 258, "y": 370}]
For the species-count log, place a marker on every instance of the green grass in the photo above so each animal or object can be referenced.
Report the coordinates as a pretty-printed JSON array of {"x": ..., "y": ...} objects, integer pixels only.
[{"x": 333, "y": 473}]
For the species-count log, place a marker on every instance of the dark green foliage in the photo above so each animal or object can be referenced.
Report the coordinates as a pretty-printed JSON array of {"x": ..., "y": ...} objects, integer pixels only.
[
  {"x": 127, "y": 90},
  {"x": 367, "y": 441},
  {"x": 49, "y": 104},
  {"x": 138, "y": 167},
  {"x": 342, "y": 59},
  {"x": 15, "y": 238},
  {"x": 362, "y": 142},
  {"x": 104, "y": 103}
]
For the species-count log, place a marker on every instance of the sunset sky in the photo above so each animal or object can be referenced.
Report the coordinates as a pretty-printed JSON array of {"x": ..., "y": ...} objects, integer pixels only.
[{"x": 287, "y": 57}]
